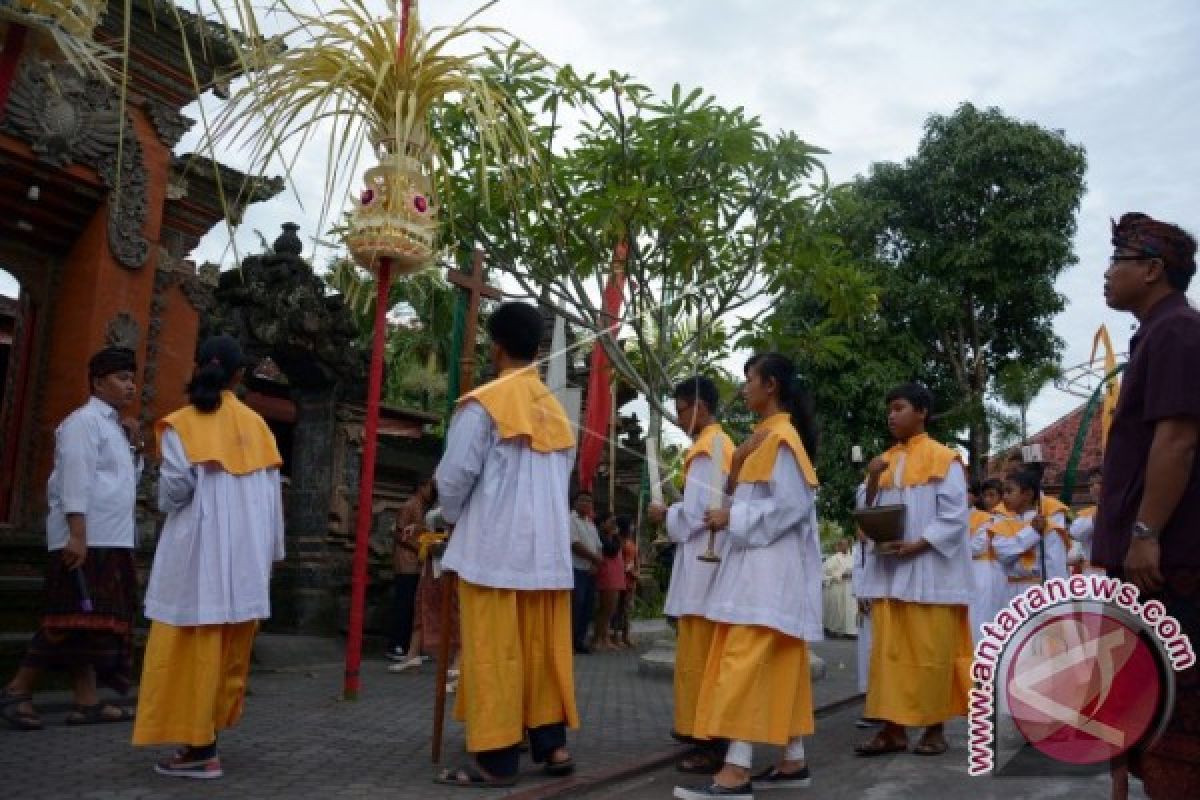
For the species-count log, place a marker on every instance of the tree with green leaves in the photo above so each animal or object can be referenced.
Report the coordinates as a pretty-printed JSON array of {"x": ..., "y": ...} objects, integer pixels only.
[
  {"x": 966, "y": 240},
  {"x": 717, "y": 213},
  {"x": 1018, "y": 384}
]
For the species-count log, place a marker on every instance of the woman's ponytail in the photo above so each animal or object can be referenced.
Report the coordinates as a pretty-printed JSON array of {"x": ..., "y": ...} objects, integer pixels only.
[
  {"x": 217, "y": 366},
  {"x": 793, "y": 397}
]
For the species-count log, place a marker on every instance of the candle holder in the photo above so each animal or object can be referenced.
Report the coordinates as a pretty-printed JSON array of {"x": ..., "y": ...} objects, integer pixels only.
[{"x": 710, "y": 556}]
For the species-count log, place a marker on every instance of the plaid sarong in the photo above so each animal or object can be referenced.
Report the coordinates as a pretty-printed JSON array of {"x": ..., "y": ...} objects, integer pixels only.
[{"x": 70, "y": 637}]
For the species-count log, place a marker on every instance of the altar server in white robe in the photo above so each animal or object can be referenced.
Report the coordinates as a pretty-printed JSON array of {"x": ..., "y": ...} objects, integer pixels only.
[
  {"x": 919, "y": 588},
  {"x": 1083, "y": 527},
  {"x": 704, "y": 478},
  {"x": 991, "y": 584},
  {"x": 1028, "y": 542},
  {"x": 503, "y": 484},
  {"x": 211, "y": 580},
  {"x": 766, "y": 598}
]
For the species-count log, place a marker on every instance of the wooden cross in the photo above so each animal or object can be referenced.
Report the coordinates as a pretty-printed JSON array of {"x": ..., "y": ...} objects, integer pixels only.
[{"x": 474, "y": 284}]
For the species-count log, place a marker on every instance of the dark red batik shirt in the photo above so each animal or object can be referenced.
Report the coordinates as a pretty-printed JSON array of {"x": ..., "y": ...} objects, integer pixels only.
[{"x": 1161, "y": 381}]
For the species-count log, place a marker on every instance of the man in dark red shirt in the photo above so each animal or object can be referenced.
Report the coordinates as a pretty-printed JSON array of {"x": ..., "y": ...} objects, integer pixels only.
[{"x": 1148, "y": 523}]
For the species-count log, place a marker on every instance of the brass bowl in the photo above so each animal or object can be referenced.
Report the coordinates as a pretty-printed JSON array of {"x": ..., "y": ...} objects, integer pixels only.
[{"x": 882, "y": 524}]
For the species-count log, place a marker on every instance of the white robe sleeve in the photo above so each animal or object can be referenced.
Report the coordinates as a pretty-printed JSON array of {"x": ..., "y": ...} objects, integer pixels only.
[
  {"x": 277, "y": 524},
  {"x": 979, "y": 542},
  {"x": 1010, "y": 548},
  {"x": 176, "y": 476},
  {"x": 1082, "y": 529},
  {"x": 685, "y": 519},
  {"x": 467, "y": 443},
  {"x": 760, "y": 521},
  {"x": 948, "y": 530}
]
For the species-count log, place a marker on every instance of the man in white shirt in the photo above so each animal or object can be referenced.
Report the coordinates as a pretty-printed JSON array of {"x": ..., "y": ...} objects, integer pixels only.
[
  {"x": 91, "y": 584},
  {"x": 503, "y": 483},
  {"x": 586, "y": 558}
]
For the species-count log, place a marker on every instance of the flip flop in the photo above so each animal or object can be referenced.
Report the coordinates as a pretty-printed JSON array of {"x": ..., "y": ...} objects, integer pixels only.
[
  {"x": 879, "y": 746},
  {"x": 94, "y": 715},
  {"x": 469, "y": 776},
  {"x": 19, "y": 720},
  {"x": 930, "y": 748},
  {"x": 559, "y": 769}
]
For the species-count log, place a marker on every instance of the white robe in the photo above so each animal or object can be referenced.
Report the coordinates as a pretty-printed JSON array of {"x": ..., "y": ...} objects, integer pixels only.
[
  {"x": 864, "y": 620},
  {"x": 841, "y": 609},
  {"x": 1010, "y": 548},
  {"x": 770, "y": 574},
  {"x": 936, "y": 511},
  {"x": 691, "y": 579},
  {"x": 508, "y": 504},
  {"x": 1082, "y": 530},
  {"x": 992, "y": 590},
  {"x": 222, "y": 533}
]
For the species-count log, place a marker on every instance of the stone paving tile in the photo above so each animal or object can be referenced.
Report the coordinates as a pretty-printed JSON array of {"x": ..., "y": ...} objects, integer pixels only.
[{"x": 299, "y": 739}]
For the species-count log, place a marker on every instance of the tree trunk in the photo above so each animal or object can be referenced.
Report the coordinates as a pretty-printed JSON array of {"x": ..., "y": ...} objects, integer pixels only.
[{"x": 979, "y": 440}]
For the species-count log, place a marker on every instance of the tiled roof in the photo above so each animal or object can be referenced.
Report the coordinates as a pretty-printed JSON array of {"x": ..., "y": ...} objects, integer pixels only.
[{"x": 1057, "y": 440}]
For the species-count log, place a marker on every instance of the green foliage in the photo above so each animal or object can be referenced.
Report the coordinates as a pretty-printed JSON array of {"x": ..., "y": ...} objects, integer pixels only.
[
  {"x": 716, "y": 213},
  {"x": 966, "y": 240},
  {"x": 420, "y": 330},
  {"x": 1017, "y": 384}
]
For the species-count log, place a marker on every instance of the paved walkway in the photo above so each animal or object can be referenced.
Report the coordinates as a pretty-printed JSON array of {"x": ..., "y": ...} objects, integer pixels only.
[{"x": 299, "y": 740}]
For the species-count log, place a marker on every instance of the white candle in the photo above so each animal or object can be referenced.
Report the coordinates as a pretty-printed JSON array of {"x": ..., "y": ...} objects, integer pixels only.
[
  {"x": 652, "y": 468},
  {"x": 716, "y": 496},
  {"x": 856, "y": 454}
]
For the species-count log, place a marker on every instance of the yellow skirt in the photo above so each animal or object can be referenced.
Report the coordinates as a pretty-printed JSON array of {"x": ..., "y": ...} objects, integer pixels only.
[
  {"x": 516, "y": 669},
  {"x": 756, "y": 688},
  {"x": 920, "y": 662},
  {"x": 193, "y": 682},
  {"x": 693, "y": 641}
]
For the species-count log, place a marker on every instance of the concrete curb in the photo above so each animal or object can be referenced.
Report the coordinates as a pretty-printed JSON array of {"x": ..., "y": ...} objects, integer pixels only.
[{"x": 591, "y": 781}]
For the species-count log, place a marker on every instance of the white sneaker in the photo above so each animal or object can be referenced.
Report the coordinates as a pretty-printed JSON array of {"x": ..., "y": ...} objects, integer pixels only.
[
  {"x": 406, "y": 664},
  {"x": 395, "y": 654}
]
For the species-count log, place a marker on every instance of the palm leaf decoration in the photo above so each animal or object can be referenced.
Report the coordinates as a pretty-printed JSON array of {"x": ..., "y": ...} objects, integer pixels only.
[{"x": 378, "y": 82}]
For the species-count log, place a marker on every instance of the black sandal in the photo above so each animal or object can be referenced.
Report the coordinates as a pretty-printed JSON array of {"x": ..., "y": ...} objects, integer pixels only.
[
  {"x": 559, "y": 769},
  {"x": 94, "y": 714},
  {"x": 19, "y": 720},
  {"x": 700, "y": 761},
  {"x": 469, "y": 776}
]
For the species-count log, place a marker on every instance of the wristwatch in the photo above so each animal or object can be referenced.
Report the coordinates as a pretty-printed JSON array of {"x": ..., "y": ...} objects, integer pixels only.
[{"x": 1143, "y": 531}]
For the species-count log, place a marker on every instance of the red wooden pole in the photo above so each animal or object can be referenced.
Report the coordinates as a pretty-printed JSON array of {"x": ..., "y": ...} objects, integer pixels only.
[{"x": 366, "y": 486}]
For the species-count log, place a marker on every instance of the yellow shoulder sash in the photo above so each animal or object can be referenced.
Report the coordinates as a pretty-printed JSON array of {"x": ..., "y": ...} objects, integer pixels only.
[
  {"x": 521, "y": 405},
  {"x": 760, "y": 464},
  {"x": 234, "y": 436},
  {"x": 925, "y": 460}
]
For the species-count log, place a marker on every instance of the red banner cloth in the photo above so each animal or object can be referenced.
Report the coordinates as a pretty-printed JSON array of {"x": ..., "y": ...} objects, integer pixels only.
[{"x": 599, "y": 393}]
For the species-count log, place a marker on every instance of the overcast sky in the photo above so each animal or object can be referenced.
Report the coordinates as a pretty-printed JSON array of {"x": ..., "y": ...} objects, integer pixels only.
[{"x": 858, "y": 78}]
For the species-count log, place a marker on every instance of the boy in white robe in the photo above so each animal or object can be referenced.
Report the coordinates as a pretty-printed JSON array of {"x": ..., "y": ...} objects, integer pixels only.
[
  {"x": 687, "y": 595},
  {"x": 919, "y": 588},
  {"x": 503, "y": 484}
]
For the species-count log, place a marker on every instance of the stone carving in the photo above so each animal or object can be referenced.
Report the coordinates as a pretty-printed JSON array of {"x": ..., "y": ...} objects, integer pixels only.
[
  {"x": 123, "y": 331},
  {"x": 276, "y": 306},
  {"x": 68, "y": 118},
  {"x": 168, "y": 123},
  {"x": 197, "y": 288}
]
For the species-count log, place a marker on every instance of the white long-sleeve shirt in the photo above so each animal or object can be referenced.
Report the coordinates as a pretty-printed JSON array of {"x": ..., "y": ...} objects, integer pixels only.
[
  {"x": 937, "y": 512},
  {"x": 1009, "y": 549},
  {"x": 770, "y": 572},
  {"x": 94, "y": 474},
  {"x": 1082, "y": 530},
  {"x": 222, "y": 533},
  {"x": 691, "y": 579},
  {"x": 508, "y": 504}
]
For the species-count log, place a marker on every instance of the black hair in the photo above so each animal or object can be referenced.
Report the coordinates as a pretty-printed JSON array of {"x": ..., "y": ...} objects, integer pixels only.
[
  {"x": 1095, "y": 474},
  {"x": 698, "y": 387},
  {"x": 582, "y": 493},
  {"x": 975, "y": 488},
  {"x": 218, "y": 363},
  {"x": 433, "y": 492},
  {"x": 1026, "y": 478},
  {"x": 991, "y": 483},
  {"x": 517, "y": 329},
  {"x": 109, "y": 360},
  {"x": 624, "y": 526},
  {"x": 917, "y": 395},
  {"x": 792, "y": 396}
]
